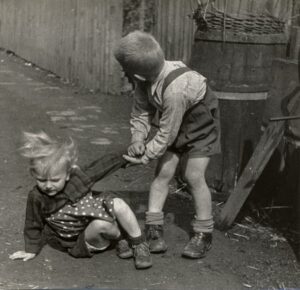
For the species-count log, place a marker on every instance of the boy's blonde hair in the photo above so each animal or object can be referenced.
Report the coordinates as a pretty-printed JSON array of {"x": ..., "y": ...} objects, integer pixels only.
[
  {"x": 139, "y": 53},
  {"x": 46, "y": 153}
]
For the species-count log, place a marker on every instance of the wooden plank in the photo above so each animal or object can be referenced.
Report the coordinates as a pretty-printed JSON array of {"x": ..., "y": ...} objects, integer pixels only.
[
  {"x": 251, "y": 173},
  {"x": 262, "y": 154}
]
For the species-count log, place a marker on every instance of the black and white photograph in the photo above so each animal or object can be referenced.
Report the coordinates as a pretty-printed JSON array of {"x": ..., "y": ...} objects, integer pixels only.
[{"x": 150, "y": 144}]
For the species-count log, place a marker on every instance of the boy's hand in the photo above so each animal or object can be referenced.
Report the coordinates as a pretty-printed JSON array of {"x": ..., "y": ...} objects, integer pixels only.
[
  {"x": 22, "y": 255},
  {"x": 143, "y": 160},
  {"x": 136, "y": 149}
]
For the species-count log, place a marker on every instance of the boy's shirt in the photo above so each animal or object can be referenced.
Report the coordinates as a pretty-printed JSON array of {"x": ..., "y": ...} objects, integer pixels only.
[
  {"x": 183, "y": 93},
  {"x": 39, "y": 205}
]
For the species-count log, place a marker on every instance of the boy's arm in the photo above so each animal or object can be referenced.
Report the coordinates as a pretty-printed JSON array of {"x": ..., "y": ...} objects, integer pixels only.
[
  {"x": 104, "y": 166},
  {"x": 34, "y": 224},
  {"x": 169, "y": 124},
  {"x": 141, "y": 115},
  {"x": 180, "y": 95}
]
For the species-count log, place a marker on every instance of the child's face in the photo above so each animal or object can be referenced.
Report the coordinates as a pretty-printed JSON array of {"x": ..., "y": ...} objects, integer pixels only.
[
  {"x": 53, "y": 182},
  {"x": 141, "y": 76}
]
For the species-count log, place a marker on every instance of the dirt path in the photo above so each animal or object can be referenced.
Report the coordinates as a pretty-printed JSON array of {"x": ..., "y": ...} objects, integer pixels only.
[{"x": 31, "y": 100}]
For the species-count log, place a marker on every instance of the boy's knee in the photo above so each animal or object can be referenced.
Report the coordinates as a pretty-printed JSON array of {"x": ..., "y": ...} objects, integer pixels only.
[
  {"x": 119, "y": 205},
  {"x": 195, "y": 179},
  {"x": 100, "y": 226}
]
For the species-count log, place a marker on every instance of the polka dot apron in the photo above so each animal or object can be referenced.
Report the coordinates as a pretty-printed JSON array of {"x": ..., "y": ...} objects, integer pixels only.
[{"x": 72, "y": 219}]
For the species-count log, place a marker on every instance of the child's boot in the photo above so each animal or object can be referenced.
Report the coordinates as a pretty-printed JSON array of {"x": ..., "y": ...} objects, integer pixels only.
[
  {"x": 198, "y": 246},
  {"x": 154, "y": 232},
  {"x": 201, "y": 242},
  {"x": 154, "y": 235},
  {"x": 141, "y": 253},
  {"x": 123, "y": 249}
]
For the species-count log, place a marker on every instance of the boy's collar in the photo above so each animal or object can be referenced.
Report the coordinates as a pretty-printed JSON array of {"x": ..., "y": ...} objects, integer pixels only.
[{"x": 158, "y": 79}]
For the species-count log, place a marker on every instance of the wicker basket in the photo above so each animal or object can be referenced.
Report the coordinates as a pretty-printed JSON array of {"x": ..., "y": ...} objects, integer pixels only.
[{"x": 243, "y": 23}]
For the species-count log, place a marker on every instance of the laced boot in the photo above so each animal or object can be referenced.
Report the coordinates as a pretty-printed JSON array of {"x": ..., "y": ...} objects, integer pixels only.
[
  {"x": 123, "y": 249},
  {"x": 141, "y": 255},
  {"x": 154, "y": 235},
  {"x": 198, "y": 246}
]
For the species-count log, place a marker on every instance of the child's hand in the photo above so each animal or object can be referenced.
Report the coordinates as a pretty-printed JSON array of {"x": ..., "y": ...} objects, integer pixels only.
[
  {"x": 143, "y": 160},
  {"x": 22, "y": 255},
  {"x": 136, "y": 149}
]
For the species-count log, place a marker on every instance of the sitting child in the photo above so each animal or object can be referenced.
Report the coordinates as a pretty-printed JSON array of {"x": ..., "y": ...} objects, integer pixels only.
[{"x": 63, "y": 212}]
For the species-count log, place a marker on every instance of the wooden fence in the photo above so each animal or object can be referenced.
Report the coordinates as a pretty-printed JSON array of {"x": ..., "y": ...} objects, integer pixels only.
[
  {"x": 174, "y": 28},
  {"x": 72, "y": 38},
  {"x": 75, "y": 38}
]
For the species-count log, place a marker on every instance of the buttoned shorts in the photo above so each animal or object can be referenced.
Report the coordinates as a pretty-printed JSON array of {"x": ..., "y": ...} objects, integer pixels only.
[{"x": 200, "y": 132}]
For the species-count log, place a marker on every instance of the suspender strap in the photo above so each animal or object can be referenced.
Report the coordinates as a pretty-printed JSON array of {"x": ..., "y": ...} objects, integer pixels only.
[{"x": 172, "y": 76}]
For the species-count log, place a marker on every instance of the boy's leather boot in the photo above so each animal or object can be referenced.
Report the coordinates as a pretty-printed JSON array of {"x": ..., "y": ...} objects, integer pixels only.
[
  {"x": 198, "y": 246},
  {"x": 123, "y": 249},
  {"x": 154, "y": 236},
  {"x": 141, "y": 255}
]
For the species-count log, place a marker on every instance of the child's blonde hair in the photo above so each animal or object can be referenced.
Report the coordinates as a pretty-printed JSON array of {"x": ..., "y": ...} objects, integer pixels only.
[
  {"x": 139, "y": 52},
  {"x": 46, "y": 153}
]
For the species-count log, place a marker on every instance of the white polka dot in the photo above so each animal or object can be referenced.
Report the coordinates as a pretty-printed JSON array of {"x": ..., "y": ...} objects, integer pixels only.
[
  {"x": 69, "y": 236},
  {"x": 84, "y": 213},
  {"x": 60, "y": 210},
  {"x": 88, "y": 205},
  {"x": 92, "y": 214},
  {"x": 100, "y": 214},
  {"x": 111, "y": 202},
  {"x": 110, "y": 210}
]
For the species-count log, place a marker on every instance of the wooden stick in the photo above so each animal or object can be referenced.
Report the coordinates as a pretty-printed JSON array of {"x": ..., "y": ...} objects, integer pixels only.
[{"x": 283, "y": 118}]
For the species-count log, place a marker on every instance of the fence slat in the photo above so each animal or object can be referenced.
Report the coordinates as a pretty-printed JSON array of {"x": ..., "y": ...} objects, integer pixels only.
[{"x": 72, "y": 38}]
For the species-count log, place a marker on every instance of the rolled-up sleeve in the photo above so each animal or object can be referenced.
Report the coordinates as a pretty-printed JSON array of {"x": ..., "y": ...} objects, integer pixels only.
[
  {"x": 141, "y": 115},
  {"x": 174, "y": 107},
  {"x": 181, "y": 95}
]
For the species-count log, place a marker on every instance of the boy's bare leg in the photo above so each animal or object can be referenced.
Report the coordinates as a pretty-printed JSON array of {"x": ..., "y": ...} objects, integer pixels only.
[
  {"x": 159, "y": 189},
  {"x": 202, "y": 224},
  {"x": 194, "y": 175},
  {"x": 158, "y": 193}
]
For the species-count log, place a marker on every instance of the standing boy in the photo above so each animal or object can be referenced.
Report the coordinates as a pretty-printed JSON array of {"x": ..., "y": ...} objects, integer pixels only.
[{"x": 188, "y": 129}]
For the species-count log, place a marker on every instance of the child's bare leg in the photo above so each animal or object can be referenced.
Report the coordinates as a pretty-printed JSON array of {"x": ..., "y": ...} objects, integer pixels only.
[
  {"x": 129, "y": 224},
  {"x": 159, "y": 189},
  {"x": 194, "y": 175},
  {"x": 203, "y": 222},
  {"x": 126, "y": 218},
  {"x": 95, "y": 230},
  {"x": 158, "y": 193}
]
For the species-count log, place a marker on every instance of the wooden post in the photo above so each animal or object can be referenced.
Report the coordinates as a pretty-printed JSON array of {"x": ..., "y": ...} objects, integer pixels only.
[{"x": 295, "y": 42}]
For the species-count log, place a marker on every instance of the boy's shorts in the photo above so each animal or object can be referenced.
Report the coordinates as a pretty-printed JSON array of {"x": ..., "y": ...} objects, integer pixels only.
[{"x": 199, "y": 134}]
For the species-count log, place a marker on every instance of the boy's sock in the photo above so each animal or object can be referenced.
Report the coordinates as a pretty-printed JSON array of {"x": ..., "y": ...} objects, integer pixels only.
[
  {"x": 154, "y": 218},
  {"x": 203, "y": 226},
  {"x": 137, "y": 240}
]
